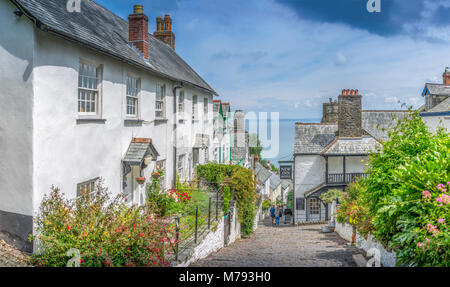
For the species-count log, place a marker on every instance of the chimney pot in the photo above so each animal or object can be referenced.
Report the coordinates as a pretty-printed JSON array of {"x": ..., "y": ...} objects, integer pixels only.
[
  {"x": 164, "y": 30},
  {"x": 138, "y": 30},
  {"x": 350, "y": 114},
  {"x": 446, "y": 76},
  {"x": 138, "y": 9}
]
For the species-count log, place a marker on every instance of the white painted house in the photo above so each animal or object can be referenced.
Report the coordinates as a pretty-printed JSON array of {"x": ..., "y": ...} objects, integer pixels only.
[
  {"x": 436, "y": 111},
  {"x": 88, "y": 95},
  {"x": 331, "y": 154}
]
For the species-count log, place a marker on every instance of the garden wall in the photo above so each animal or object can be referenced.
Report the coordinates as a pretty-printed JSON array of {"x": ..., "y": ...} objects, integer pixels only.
[
  {"x": 388, "y": 259},
  {"x": 214, "y": 241}
]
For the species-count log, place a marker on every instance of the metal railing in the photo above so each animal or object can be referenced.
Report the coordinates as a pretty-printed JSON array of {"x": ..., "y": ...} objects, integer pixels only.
[
  {"x": 192, "y": 226},
  {"x": 344, "y": 178}
]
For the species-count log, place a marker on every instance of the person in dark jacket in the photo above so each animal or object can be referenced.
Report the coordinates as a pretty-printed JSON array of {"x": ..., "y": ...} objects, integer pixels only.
[{"x": 272, "y": 213}]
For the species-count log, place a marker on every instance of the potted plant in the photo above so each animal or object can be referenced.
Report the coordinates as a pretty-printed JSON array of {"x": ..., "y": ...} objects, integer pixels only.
[
  {"x": 140, "y": 179},
  {"x": 156, "y": 175}
]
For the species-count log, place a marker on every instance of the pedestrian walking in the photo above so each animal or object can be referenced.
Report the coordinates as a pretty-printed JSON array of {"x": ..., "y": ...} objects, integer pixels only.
[
  {"x": 277, "y": 216},
  {"x": 272, "y": 213}
]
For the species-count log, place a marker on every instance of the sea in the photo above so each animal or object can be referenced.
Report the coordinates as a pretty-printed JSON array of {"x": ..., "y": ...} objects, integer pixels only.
[{"x": 278, "y": 140}]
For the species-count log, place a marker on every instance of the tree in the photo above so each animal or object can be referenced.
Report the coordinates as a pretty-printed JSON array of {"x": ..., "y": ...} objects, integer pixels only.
[{"x": 255, "y": 145}]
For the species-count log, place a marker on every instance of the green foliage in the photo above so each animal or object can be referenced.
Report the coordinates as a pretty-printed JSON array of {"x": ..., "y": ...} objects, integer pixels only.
[
  {"x": 107, "y": 232},
  {"x": 274, "y": 168},
  {"x": 226, "y": 198},
  {"x": 241, "y": 184},
  {"x": 255, "y": 145},
  {"x": 266, "y": 205},
  {"x": 331, "y": 195},
  {"x": 405, "y": 198},
  {"x": 290, "y": 199}
]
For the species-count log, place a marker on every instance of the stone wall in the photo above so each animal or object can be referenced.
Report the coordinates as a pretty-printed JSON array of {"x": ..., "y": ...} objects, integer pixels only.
[
  {"x": 330, "y": 113},
  {"x": 214, "y": 241},
  {"x": 387, "y": 258},
  {"x": 350, "y": 114}
]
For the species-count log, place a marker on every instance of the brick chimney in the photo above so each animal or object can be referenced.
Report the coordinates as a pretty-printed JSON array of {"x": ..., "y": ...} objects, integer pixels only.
[
  {"x": 446, "y": 76},
  {"x": 164, "y": 30},
  {"x": 350, "y": 114},
  {"x": 138, "y": 30}
]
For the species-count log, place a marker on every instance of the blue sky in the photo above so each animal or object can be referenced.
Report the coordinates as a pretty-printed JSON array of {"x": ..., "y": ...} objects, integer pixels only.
[{"x": 289, "y": 56}]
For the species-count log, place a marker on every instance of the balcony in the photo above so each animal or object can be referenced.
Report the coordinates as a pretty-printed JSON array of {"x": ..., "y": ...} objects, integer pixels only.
[{"x": 344, "y": 178}]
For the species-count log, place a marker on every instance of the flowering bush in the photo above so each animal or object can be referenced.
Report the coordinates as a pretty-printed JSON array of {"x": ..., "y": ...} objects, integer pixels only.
[
  {"x": 405, "y": 201},
  {"x": 107, "y": 232}
]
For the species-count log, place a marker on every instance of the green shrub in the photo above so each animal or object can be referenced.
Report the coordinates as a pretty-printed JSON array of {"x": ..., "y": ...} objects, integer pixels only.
[
  {"x": 107, "y": 232},
  {"x": 404, "y": 201},
  {"x": 240, "y": 183},
  {"x": 266, "y": 205}
]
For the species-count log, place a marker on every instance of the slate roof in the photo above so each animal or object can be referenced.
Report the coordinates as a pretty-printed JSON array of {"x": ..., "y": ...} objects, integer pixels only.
[
  {"x": 378, "y": 123},
  {"x": 138, "y": 149},
  {"x": 443, "y": 106},
  {"x": 352, "y": 146},
  {"x": 275, "y": 180},
  {"x": 313, "y": 138},
  {"x": 436, "y": 89},
  {"x": 317, "y": 138},
  {"x": 100, "y": 29},
  {"x": 262, "y": 174},
  {"x": 285, "y": 183}
]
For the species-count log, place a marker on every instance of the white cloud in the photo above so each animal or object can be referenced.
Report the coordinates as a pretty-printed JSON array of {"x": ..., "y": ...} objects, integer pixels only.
[{"x": 340, "y": 59}]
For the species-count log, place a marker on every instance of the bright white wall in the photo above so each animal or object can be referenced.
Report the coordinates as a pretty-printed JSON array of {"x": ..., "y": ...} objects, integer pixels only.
[
  {"x": 309, "y": 173},
  {"x": 68, "y": 152},
  {"x": 16, "y": 126},
  {"x": 437, "y": 122}
]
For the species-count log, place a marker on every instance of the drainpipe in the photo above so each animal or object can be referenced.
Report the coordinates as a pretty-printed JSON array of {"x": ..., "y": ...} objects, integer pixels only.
[{"x": 175, "y": 122}]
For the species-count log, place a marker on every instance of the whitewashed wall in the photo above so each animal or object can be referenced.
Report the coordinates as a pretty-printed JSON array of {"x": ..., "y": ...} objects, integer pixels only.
[
  {"x": 436, "y": 122},
  {"x": 309, "y": 173},
  {"x": 387, "y": 258},
  {"x": 68, "y": 152},
  {"x": 16, "y": 125}
]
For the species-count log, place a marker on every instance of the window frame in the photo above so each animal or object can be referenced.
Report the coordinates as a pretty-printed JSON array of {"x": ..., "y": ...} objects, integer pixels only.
[
  {"x": 206, "y": 107},
  {"x": 194, "y": 107},
  {"x": 136, "y": 98},
  {"x": 314, "y": 202},
  {"x": 181, "y": 98},
  {"x": 99, "y": 90},
  {"x": 91, "y": 183},
  {"x": 162, "y": 101}
]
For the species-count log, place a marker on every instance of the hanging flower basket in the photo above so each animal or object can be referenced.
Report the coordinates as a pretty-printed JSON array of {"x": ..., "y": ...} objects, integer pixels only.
[
  {"x": 156, "y": 175},
  {"x": 140, "y": 180}
]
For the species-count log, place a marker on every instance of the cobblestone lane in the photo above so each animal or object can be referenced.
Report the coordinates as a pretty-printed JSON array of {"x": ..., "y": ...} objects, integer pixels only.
[
  {"x": 11, "y": 257},
  {"x": 284, "y": 246}
]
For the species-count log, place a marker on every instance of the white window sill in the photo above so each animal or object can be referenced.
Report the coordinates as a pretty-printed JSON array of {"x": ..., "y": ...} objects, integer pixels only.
[
  {"x": 133, "y": 121},
  {"x": 90, "y": 119}
]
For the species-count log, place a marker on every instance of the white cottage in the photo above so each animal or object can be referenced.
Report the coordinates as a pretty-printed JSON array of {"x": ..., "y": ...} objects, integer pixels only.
[
  {"x": 436, "y": 111},
  {"x": 333, "y": 153},
  {"x": 89, "y": 95}
]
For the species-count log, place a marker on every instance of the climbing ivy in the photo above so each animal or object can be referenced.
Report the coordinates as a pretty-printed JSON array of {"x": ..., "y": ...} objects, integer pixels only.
[{"x": 240, "y": 181}]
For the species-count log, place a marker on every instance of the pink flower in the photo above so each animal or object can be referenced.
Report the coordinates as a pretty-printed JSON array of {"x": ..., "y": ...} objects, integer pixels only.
[
  {"x": 426, "y": 194},
  {"x": 432, "y": 229},
  {"x": 420, "y": 244},
  {"x": 440, "y": 186},
  {"x": 443, "y": 199},
  {"x": 441, "y": 220}
]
